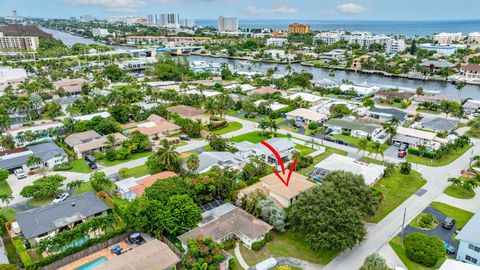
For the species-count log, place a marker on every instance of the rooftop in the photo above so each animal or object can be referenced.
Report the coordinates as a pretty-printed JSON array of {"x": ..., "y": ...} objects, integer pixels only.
[
  {"x": 45, "y": 151},
  {"x": 469, "y": 232},
  {"x": 186, "y": 111},
  {"x": 353, "y": 125}
]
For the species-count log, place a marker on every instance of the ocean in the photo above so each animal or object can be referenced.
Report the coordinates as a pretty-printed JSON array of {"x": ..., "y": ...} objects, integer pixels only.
[{"x": 401, "y": 28}]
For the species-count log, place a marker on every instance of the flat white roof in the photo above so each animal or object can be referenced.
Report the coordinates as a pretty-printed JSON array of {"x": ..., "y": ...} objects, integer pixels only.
[
  {"x": 307, "y": 114},
  {"x": 416, "y": 133},
  {"x": 450, "y": 264},
  {"x": 306, "y": 97},
  {"x": 370, "y": 172},
  {"x": 275, "y": 106}
]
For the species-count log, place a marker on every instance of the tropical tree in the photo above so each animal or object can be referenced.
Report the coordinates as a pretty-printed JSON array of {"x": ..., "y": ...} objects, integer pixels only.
[
  {"x": 33, "y": 161},
  {"x": 100, "y": 182},
  {"x": 469, "y": 185},
  {"x": 166, "y": 158},
  {"x": 362, "y": 146},
  {"x": 377, "y": 148},
  {"x": 5, "y": 123},
  {"x": 74, "y": 184},
  {"x": 111, "y": 141},
  {"x": 5, "y": 199},
  {"x": 193, "y": 162}
]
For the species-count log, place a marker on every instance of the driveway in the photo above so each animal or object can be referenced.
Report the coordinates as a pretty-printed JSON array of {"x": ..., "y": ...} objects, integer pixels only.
[
  {"x": 444, "y": 234},
  {"x": 392, "y": 152}
]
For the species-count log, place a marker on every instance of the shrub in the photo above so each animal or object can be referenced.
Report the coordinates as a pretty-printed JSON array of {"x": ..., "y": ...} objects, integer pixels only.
[
  {"x": 123, "y": 172},
  {"x": 427, "y": 221},
  {"x": 313, "y": 125},
  {"x": 346, "y": 132},
  {"x": 229, "y": 244},
  {"x": 405, "y": 168},
  {"x": 375, "y": 262},
  {"x": 63, "y": 167},
  {"x": 122, "y": 153},
  {"x": 3, "y": 175},
  {"x": 110, "y": 155},
  {"x": 99, "y": 155},
  {"x": 256, "y": 246},
  {"x": 217, "y": 125},
  {"x": 424, "y": 249}
]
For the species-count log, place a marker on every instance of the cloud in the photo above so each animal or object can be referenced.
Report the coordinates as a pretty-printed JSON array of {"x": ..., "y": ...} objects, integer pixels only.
[
  {"x": 277, "y": 10},
  {"x": 127, "y": 6},
  {"x": 351, "y": 8}
]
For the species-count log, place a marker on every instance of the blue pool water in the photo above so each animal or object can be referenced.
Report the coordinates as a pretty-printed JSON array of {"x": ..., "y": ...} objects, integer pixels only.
[{"x": 92, "y": 264}]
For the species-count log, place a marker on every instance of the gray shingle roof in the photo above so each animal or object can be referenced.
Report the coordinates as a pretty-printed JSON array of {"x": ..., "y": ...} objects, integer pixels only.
[
  {"x": 352, "y": 125},
  {"x": 50, "y": 217},
  {"x": 208, "y": 159},
  {"x": 400, "y": 115},
  {"x": 469, "y": 232},
  {"x": 438, "y": 124},
  {"x": 45, "y": 151}
]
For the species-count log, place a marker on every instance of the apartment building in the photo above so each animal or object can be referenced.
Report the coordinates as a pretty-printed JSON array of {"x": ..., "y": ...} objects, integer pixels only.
[
  {"x": 169, "y": 20},
  {"x": 295, "y": 28},
  {"x": 276, "y": 41},
  {"x": 175, "y": 41},
  {"x": 474, "y": 38},
  {"x": 18, "y": 43},
  {"x": 100, "y": 32},
  {"x": 364, "y": 39},
  {"x": 447, "y": 38},
  {"x": 227, "y": 24},
  {"x": 188, "y": 23}
]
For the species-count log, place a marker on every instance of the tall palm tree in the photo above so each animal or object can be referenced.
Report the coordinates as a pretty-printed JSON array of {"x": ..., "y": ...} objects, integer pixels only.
[
  {"x": 362, "y": 146},
  {"x": 168, "y": 157},
  {"x": 193, "y": 162},
  {"x": 377, "y": 148},
  {"x": 111, "y": 141},
  {"x": 5, "y": 199},
  {"x": 5, "y": 123},
  {"x": 211, "y": 107}
]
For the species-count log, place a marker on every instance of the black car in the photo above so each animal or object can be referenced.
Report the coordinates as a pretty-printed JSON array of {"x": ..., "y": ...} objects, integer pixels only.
[
  {"x": 449, "y": 248},
  {"x": 329, "y": 139},
  {"x": 90, "y": 159},
  {"x": 184, "y": 137},
  {"x": 448, "y": 223},
  {"x": 92, "y": 165},
  {"x": 342, "y": 142}
]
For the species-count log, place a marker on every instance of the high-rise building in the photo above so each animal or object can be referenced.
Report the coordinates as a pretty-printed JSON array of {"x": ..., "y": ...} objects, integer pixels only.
[
  {"x": 227, "y": 24},
  {"x": 152, "y": 19},
  {"x": 474, "y": 38},
  {"x": 188, "y": 23},
  {"x": 364, "y": 39},
  {"x": 298, "y": 28},
  {"x": 447, "y": 38},
  {"x": 86, "y": 18},
  {"x": 15, "y": 43},
  {"x": 169, "y": 20}
]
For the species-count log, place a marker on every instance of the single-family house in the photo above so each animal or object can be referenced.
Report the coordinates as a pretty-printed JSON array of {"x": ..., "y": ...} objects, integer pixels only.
[
  {"x": 306, "y": 116},
  {"x": 437, "y": 124},
  {"x": 283, "y": 146},
  {"x": 383, "y": 115},
  {"x": 154, "y": 127},
  {"x": 414, "y": 138},
  {"x": 272, "y": 105},
  {"x": 450, "y": 264},
  {"x": 275, "y": 189},
  {"x": 469, "y": 248},
  {"x": 49, "y": 153},
  {"x": 222, "y": 159},
  {"x": 311, "y": 98},
  {"x": 360, "y": 89},
  {"x": 241, "y": 87},
  {"x": 187, "y": 111},
  {"x": 44, "y": 132},
  {"x": 154, "y": 254},
  {"x": 71, "y": 86},
  {"x": 357, "y": 128},
  {"x": 394, "y": 94},
  {"x": 471, "y": 106},
  {"x": 435, "y": 99},
  {"x": 227, "y": 222},
  {"x": 48, "y": 220},
  {"x": 132, "y": 188},
  {"x": 370, "y": 172},
  {"x": 265, "y": 90},
  {"x": 90, "y": 141},
  {"x": 436, "y": 65},
  {"x": 471, "y": 72}
]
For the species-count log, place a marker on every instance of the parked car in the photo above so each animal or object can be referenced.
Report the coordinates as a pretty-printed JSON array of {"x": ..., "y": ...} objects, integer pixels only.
[
  {"x": 402, "y": 154},
  {"x": 403, "y": 147},
  {"x": 342, "y": 142},
  {"x": 61, "y": 197},
  {"x": 20, "y": 173},
  {"x": 329, "y": 130},
  {"x": 449, "y": 248},
  {"x": 184, "y": 138},
  {"x": 448, "y": 223},
  {"x": 396, "y": 144},
  {"x": 92, "y": 165},
  {"x": 329, "y": 139},
  {"x": 90, "y": 158}
]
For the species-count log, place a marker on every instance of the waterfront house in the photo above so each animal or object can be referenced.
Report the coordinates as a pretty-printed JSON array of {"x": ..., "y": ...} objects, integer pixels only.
[
  {"x": 471, "y": 72},
  {"x": 383, "y": 115}
]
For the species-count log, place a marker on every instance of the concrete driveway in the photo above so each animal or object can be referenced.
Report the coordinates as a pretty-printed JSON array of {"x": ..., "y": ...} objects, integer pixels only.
[{"x": 444, "y": 234}]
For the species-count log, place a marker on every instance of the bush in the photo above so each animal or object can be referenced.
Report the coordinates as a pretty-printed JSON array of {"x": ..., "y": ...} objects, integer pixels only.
[
  {"x": 313, "y": 125},
  {"x": 123, "y": 172},
  {"x": 229, "y": 244},
  {"x": 424, "y": 249},
  {"x": 375, "y": 262},
  {"x": 256, "y": 246},
  {"x": 122, "y": 153},
  {"x": 63, "y": 167},
  {"x": 99, "y": 155},
  {"x": 346, "y": 132},
  {"x": 217, "y": 125},
  {"x": 405, "y": 168},
  {"x": 427, "y": 221},
  {"x": 110, "y": 155}
]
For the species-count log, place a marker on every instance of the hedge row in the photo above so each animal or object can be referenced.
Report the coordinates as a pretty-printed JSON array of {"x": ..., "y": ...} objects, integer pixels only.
[{"x": 260, "y": 244}]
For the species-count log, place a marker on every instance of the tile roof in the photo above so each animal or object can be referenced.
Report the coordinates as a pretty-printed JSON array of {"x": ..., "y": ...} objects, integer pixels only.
[
  {"x": 298, "y": 184},
  {"x": 145, "y": 182},
  {"x": 81, "y": 137},
  {"x": 186, "y": 111}
]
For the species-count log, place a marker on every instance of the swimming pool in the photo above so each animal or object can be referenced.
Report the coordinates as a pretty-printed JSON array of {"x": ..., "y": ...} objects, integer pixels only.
[{"x": 91, "y": 264}]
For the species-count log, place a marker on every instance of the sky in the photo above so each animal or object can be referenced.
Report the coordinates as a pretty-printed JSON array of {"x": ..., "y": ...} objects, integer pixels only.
[{"x": 252, "y": 9}]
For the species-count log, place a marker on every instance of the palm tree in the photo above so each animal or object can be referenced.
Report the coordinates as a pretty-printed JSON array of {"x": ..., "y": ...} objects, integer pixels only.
[
  {"x": 193, "y": 162},
  {"x": 322, "y": 130},
  {"x": 469, "y": 185},
  {"x": 377, "y": 148},
  {"x": 111, "y": 141},
  {"x": 272, "y": 124},
  {"x": 168, "y": 157},
  {"x": 460, "y": 86},
  {"x": 455, "y": 181},
  {"x": 183, "y": 86},
  {"x": 362, "y": 146},
  {"x": 211, "y": 107},
  {"x": 6, "y": 199},
  {"x": 5, "y": 123},
  {"x": 33, "y": 161}
]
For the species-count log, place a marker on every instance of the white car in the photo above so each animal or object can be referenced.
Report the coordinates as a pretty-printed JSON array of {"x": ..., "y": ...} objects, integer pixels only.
[
  {"x": 20, "y": 173},
  {"x": 61, "y": 197}
]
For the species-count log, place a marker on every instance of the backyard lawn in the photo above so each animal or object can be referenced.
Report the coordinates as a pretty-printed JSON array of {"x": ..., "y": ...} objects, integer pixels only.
[
  {"x": 304, "y": 150},
  {"x": 445, "y": 160},
  {"x": 354, "y": 141},
  {"x": 396, "y": 189},
  {"x": 230, "y": 127},
  {"x": 397, "y": 246},
  {"x": 461, "y": 216},
  {"x": 287, "y": 244},
  {"x": 253, "y": 137},
  {"x": 5, "y": 188},
  {"x": 108, "y": 163},
  {"x": 39, "y": 202},
  {"x": 328, "y": 151},
  {"x": 137, "y": 172},
  {"x": 80, "y": 166},
  {"x": 84, "y": 187}
]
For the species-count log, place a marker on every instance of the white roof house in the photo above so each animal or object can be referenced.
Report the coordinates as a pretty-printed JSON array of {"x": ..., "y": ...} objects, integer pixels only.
[
  {"x": 306, "y": 97},
  {"x": 275, "y": 106},
  {"x": 371, "y": 172},
  {"x": 362, "y": 90},
  {"x": 306, "y": 115},
  {"x": 244, "y": 87},
  {"x": 450, "y": 264},
  {"x": 206, "y": 93}
]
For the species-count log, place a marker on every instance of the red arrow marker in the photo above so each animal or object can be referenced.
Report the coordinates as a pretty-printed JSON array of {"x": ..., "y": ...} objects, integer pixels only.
[{"x": 280, "y": 161}]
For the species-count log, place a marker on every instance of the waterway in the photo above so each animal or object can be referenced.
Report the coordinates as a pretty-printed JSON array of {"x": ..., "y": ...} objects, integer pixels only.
[{"x": 447, "y": 89}]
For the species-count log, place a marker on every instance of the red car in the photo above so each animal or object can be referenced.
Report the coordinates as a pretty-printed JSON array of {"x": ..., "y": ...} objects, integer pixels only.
[{"x": 402, "y": 154}]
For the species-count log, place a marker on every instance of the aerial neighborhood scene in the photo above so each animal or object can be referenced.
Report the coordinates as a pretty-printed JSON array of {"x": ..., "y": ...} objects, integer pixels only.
[{"x": 240, "y": 135}]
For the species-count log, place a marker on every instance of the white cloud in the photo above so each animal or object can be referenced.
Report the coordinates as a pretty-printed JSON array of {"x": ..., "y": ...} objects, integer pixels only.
[
  {"x": 351, "y": 8},
  {"x": 278, "y": 10},
  {"x": 127, "y": 6}
]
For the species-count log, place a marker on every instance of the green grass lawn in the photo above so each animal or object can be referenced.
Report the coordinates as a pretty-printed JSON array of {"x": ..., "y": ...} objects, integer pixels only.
[
  {"x": 254, "y": 119},
  {"x": 445, "y": 160},
  {"x": 84, "y": 187},
  {"x": 137, "y": 172},
  {"x": 5, "y": 188},
  {"x": 328, "y": 151},
  {"x": 230, "y": 127},
  {"x": 253, "y": 137},
  {"x": 287, "y": 244},
  {"x": 180, "y": 144},
  {"x": 80, "y": 166},
  {"x": 461, "y": 216},
  {"x": 397, "y": 246},
  {"x": 354, "y": 141},
  {"x": 396, "y": 189},
  {"x": 459, "y": 192},
  {"x": 414, "y": 222},
  {"x": 108, "y": 163},
  {"x": 304, "y": 150},
  {"x": 8, "y": 213}
]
